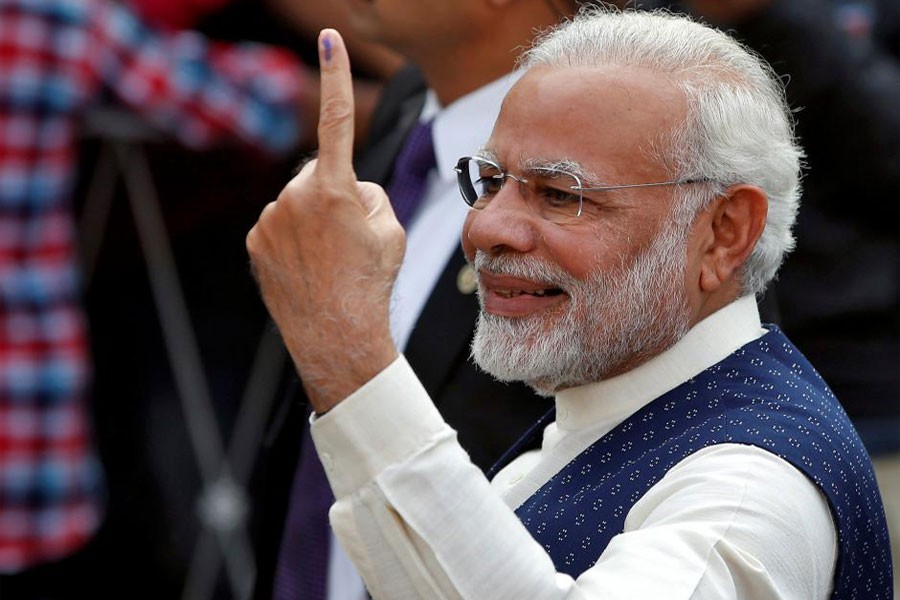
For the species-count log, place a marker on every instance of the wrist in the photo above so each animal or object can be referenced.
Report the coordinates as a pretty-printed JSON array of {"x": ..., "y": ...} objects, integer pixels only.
[{"x": 337, "y": 365}]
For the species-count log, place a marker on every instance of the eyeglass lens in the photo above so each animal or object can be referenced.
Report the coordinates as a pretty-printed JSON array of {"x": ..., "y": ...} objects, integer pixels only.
[{"x": 553, "y": 194}]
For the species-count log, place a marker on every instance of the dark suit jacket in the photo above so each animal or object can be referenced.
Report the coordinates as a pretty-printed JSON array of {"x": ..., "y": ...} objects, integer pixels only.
[{"x": 488, "y": 416}]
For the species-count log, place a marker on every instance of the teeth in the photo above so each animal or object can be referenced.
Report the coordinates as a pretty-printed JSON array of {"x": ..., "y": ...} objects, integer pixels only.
[{"x": 512, "y": 293}]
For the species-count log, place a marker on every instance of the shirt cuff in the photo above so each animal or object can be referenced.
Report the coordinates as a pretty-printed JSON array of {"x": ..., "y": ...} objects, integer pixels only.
[{"x": 386, "y": 421}]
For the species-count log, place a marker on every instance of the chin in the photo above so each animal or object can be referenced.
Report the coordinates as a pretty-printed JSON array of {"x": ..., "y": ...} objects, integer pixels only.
[
  {"x": 540, "y": 351},
  {"x": 574, "y": 352},
  {"x": 612, "y": 322}
]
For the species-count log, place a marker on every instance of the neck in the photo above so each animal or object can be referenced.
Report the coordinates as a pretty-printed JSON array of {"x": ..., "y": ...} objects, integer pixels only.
[
  {"x": 457, "y": 69},
  {"x": 715, "y": 301},
  {"x": 453, "y": 79}
]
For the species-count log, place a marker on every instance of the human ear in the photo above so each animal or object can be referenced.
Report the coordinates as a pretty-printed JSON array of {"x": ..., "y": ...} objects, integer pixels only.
[{"x": 734, "y": 225}]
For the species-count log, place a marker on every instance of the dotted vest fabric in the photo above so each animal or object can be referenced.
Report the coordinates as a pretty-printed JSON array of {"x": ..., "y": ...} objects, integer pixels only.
[{"x": 766, "y": 394}]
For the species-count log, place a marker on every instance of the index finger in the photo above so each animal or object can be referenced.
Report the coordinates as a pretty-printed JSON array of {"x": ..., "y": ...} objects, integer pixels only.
[{"x": 335, "y": 154}]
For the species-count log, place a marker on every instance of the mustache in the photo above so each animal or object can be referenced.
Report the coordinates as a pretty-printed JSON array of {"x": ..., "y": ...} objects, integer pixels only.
[{"x": 525, "y": 267}]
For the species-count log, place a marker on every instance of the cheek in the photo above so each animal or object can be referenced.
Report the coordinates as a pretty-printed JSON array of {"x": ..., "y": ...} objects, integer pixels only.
[
  {"x": 583, "y": 254},
  {"x": 611, "y": 247}
]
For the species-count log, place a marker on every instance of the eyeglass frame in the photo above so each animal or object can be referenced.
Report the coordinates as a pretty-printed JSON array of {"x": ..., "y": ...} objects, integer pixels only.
[{"x": 463, "y": 181}]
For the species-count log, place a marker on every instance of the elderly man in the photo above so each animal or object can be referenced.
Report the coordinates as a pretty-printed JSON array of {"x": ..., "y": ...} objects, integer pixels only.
[{"x": 637, "y": 190}]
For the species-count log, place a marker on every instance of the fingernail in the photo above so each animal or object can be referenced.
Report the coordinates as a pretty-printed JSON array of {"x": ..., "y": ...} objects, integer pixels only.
[{"x": 326, "y": 45}]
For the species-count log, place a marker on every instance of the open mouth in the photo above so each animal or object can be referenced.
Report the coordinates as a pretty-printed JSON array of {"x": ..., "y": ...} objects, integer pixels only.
[
  {"x": 539, "y": 293},
  {"x": 512, "y": 296}
]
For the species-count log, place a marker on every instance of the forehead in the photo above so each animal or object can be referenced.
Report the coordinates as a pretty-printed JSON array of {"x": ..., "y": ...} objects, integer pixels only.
[{"x": 605, "y": 118}]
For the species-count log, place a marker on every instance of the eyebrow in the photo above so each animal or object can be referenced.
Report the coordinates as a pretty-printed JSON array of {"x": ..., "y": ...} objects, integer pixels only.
[
  {"x": 539, "y": 165},
  {"x": 536, "y": 165},
  {"x": 487, "y": 154}
]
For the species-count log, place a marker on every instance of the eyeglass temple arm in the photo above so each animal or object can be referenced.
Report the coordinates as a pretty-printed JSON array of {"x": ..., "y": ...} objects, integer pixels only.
[{"x": 639, "y": 185}]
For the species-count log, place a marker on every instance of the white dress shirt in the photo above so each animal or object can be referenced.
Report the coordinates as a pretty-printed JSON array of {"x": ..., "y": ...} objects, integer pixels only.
[
  {"x": 420, "y": 521},
  {"x": 460, "y": 129}
]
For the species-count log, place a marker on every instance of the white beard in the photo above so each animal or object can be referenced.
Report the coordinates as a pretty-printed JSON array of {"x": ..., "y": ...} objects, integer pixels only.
[{"x": 614, "y": 321}]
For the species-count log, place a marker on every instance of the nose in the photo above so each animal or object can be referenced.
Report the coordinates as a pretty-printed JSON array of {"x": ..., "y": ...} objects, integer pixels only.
[{"x": 505, "y": 224}]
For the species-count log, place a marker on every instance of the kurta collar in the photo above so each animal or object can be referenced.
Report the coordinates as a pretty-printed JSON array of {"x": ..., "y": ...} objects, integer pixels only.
[{"x": 708, "y": 342}]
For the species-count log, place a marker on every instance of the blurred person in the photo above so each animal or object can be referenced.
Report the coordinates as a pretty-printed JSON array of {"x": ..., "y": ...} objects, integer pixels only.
[
  {"x": 463, "y": 64},
  {"x": 290, "y": 25},
  {"x": 284, "y": 22},
  {"x": 374, "y": 59},
  {"x": 692, "y": 452},
  {"x": 60, "y": 60},
  {"x": 172, "y": 14},
  {"x": 208, "y": 197}
]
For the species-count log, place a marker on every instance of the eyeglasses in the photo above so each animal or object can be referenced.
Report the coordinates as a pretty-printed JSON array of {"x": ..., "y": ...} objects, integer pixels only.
[{"x": 556, "y": 195}]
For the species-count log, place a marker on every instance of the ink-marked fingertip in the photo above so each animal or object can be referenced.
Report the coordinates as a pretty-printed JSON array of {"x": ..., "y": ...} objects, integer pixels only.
[{"x": 326, "y": 45}]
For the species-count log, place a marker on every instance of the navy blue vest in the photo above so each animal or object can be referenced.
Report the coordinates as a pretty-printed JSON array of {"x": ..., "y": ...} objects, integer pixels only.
[{"x": 767, "y": 395}]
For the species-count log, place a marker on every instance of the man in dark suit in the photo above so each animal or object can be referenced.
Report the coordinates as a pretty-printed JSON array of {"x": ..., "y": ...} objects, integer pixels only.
[{"x": 463, "y": 61}]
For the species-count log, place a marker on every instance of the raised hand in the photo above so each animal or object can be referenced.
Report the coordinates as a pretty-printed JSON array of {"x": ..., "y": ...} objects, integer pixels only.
[{"x": 327, "y": 251}]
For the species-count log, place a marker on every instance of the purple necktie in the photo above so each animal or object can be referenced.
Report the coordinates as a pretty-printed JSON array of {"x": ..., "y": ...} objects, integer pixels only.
[
  {"x": 302, "y": 569},
  {"x": 416, "y": 159}
]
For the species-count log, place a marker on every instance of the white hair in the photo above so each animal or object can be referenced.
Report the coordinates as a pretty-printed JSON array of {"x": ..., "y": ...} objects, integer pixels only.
[{"x": 738, "y": 127}]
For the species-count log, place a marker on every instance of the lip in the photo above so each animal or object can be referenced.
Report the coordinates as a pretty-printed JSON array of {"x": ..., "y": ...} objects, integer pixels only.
[{"x": 510, "y": 296}]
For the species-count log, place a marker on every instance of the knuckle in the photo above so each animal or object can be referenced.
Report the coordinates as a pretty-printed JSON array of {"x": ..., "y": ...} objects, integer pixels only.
[
  {"x": 306, "y": 166},
  {"x": 335, "y": 112},
  {"x": 255, "y": 237},
  {"x": 252, "y": 242},
  {"x": 267, "y": 214}
]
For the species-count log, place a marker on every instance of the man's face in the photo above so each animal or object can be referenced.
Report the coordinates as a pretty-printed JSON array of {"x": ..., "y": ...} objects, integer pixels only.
[{"x": 568, "y": 303}]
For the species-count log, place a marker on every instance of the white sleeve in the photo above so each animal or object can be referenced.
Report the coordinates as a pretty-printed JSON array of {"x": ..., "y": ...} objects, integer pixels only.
[
  {"x": 417, "y": 518},
  {"x": 420, "y": 521}
]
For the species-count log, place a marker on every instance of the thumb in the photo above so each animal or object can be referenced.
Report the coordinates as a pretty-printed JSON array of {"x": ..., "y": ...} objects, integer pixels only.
[
  {"x": 383, "y": 221},
  {"x": 375, "y": 202}
]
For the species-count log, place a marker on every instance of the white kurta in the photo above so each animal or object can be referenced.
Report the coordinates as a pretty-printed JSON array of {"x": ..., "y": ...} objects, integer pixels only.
[{"x": 420, "y": 521}]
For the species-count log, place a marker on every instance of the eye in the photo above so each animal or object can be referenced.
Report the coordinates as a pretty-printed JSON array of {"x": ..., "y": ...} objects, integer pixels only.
[
  {"x": 558, "y": 196},
  {"x": 557, "y": 190},
  {"x": 488, "y": 184}
]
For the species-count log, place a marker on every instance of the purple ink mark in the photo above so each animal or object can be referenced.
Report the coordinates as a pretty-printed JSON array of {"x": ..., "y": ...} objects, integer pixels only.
[{"x": 326, "y": 44}]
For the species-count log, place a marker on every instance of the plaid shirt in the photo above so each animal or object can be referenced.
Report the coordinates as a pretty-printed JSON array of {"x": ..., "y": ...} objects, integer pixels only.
[{"x": 58, "y": 58}]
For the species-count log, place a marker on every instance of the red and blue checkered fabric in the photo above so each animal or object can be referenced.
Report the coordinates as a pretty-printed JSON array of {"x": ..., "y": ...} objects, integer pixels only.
[{"x": 59, "y": 58}]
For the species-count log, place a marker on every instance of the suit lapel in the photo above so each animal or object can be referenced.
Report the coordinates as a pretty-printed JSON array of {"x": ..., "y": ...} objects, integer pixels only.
[
  {"x": 443, "y": 332},
  {"x": 399, "y": 110}
]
